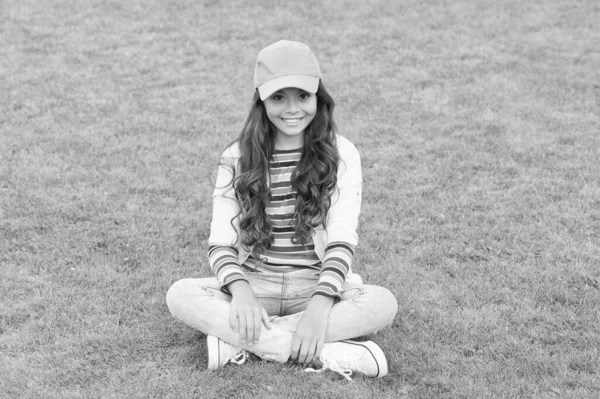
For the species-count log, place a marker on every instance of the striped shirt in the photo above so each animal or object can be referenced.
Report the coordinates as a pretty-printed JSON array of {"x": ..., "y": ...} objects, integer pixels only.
[{"x": 284, "y": 255}]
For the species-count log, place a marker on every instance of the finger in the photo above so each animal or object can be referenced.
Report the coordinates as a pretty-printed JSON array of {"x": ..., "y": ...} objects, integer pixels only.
[
  {"x": 295, "y": 349},
  {"x": 250, "y": 329},
  {"x": 318, "y": 351},
  {"x": 242, "y": 327},
  {"x": 265, "y": 319},
  {"x": 304, "y": 348},
  {"x": 257, "y": 325},
  {"x": 312, "y": 351},
  {"x": 233, "y": 319}
]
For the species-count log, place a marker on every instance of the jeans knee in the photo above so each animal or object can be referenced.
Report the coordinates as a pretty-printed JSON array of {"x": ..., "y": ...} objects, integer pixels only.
[
  {"x": 174, "y": 295},
  {"x": 388, "y": 306}
]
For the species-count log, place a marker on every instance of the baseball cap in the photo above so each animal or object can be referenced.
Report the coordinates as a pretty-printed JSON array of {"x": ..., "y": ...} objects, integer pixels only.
[{"x": 286, "y": 64}]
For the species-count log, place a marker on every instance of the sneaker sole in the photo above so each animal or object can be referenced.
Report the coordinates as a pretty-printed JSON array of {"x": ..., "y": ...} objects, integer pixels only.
[{"x": 377, "y": 354}]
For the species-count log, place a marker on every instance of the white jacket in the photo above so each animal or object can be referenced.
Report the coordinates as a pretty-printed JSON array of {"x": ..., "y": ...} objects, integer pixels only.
[{"x": 342, "y": 218}]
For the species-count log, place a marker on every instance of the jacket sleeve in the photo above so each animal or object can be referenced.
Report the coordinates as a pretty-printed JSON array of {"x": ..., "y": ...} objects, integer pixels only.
[
  {"x": 342, "y": 222},
  {"x": 336, "y": 263},
  {"x": 225, "y": 264},
  {"x": 223, "y": 239}
]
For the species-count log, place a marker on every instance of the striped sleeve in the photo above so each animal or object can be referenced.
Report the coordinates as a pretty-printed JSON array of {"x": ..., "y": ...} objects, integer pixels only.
[
  {"x": 225, "y": 265},
  {"x": 336, "y": 264}
]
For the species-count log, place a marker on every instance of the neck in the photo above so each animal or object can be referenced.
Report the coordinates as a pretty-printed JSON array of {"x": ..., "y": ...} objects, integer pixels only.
[{"x": 288, "y": 143}]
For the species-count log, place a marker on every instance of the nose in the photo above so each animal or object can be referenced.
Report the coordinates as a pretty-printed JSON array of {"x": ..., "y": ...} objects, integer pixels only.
[{"x": 292, "y": 107}]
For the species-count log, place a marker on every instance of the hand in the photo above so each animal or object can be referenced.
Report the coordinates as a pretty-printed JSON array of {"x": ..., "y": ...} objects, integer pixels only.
[
  {"x": 311, "y": 329},
  {"x": 246, "y": 315}
]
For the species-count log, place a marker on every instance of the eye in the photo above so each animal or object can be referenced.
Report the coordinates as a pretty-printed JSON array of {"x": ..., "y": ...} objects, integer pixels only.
[
  {"x": 305, "y": 96},
  {"x": 277, "y": 97}
]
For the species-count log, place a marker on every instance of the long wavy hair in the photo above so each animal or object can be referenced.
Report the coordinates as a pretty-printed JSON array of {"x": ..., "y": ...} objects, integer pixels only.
[{"x": 315, "y": 177}]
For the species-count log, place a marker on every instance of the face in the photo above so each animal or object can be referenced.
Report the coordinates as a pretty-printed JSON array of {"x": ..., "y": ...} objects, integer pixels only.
[{"x": 291, "y": 110}]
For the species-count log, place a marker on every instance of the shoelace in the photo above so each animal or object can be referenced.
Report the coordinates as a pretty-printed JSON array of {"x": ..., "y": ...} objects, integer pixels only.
[
  {"x": 240, "y": 358},
  {"x": 333, "y": 366}
]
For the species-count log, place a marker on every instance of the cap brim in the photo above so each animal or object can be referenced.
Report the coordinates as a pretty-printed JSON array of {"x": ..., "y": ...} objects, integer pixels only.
[{"x": 307, "y": 83}]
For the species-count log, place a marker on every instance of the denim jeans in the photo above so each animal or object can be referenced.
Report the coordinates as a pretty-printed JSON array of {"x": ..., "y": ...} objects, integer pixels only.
[{"x": 199, "y": 303}]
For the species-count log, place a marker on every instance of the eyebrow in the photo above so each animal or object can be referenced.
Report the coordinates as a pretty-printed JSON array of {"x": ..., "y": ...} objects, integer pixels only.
[{"x": 296, "y": 88}]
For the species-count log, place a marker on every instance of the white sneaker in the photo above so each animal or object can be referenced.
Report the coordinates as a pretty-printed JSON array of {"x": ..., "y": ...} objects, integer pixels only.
[
  {"x": 347, "y": 356},
  {"x": 220, "y": 353}
]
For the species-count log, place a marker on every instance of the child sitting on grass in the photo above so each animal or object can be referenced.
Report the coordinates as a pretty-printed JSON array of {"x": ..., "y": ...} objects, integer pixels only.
[{"x": 283, "y": 234}]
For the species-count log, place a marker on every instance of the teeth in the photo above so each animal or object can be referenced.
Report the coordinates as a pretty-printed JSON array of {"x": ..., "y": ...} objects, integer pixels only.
[{"x": 291, "y": 121}]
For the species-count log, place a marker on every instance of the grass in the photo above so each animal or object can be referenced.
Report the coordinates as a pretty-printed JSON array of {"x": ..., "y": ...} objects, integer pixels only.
[{"x": 478, "y": 124}]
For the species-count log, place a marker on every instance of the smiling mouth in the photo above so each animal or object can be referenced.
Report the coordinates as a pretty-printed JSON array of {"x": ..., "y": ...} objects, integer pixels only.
[{"x": 292, "y": 121}]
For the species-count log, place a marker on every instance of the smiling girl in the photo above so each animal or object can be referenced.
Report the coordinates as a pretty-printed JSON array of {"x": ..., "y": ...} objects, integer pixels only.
[{"x": 283, "y": 234}]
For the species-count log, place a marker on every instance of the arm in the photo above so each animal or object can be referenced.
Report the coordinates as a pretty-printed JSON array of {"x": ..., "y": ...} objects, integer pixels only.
[
  {"x": 245, "y": 313},
  {"x": 342, "y": 223},
  {"x": 312, "y": 327},
  {"x": 222, "y": 253}
]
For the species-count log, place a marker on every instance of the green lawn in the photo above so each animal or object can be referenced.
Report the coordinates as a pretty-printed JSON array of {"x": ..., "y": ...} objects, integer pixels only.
[{"x": 479, "y": 127}]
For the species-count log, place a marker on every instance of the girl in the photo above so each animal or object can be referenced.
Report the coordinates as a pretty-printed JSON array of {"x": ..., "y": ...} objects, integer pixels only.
[{"x": 283, "y": 233}]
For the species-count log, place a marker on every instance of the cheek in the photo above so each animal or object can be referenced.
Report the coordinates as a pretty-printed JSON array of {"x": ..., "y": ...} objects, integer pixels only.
[
  {"x": 310, "y": 117},
  {"x": 272, "y": 118},
  {"x": 312, "y": 108},
  {"x": 272, "y": 114}
]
